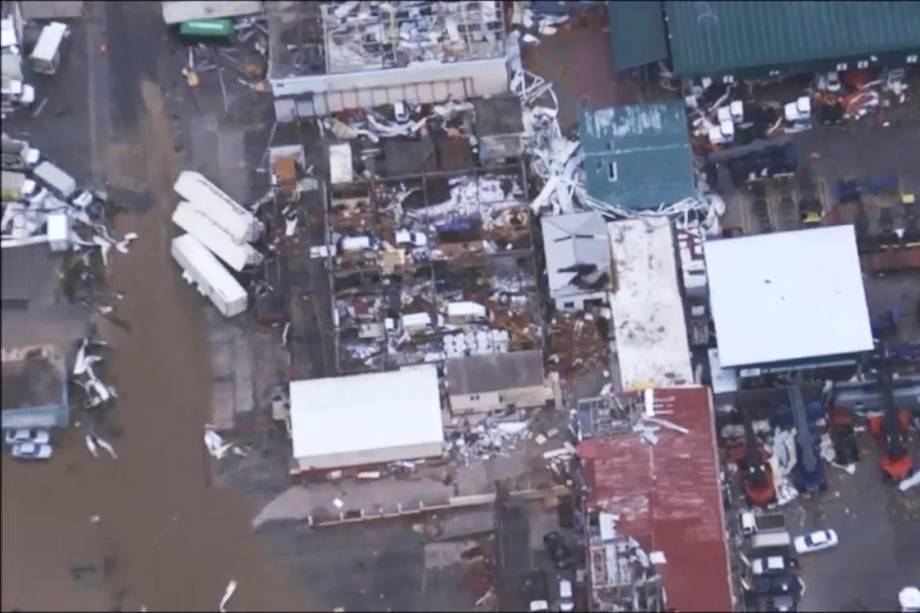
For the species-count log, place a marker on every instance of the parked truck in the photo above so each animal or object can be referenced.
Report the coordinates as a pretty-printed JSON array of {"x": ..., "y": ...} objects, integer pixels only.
[
  {"x": 752, "y": 523},
  {"x": 18, "y": 155},
  {"x": 202, "y": 269},
  {"x": 46, "y": 56},
  {"x": 770, "y": 539},
  {"x": 16, "y": 186}
]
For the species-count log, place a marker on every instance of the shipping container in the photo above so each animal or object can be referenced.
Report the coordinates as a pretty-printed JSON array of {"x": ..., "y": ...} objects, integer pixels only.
[{"x": 207, "y": 28}]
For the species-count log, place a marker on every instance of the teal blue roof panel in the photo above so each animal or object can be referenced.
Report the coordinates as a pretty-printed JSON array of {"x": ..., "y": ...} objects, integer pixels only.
[
  {"x": 637, "y": 156},
  {"x": 711, "y": 38}
]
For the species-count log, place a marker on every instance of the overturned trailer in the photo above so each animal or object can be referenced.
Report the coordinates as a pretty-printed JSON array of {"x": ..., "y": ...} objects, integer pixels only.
[
  {"x": 236, "y": 255},
  {"x": 217, "y": 206},
  {"x": 201, "y": 268}
]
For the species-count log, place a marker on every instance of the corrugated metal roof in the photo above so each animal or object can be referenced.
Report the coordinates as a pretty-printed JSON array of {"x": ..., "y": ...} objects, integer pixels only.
[
  {"x": 636, "y": 33},
  {"x": 495, "y": 372},
  {"x": 739, "y": 37},
  {"x": 668, "y": 498},
  {"x": 637, "y": 156}
]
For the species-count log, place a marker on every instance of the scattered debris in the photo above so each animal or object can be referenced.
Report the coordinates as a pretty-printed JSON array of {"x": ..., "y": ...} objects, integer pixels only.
[
  {"x": 910, "y": 482},
  {"x": 215, "y": 444},
  {"x": 228, "y": 593}
]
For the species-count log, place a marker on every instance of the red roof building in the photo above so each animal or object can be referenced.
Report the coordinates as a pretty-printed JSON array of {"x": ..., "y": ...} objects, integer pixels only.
[{"x": 668, "y": 497}]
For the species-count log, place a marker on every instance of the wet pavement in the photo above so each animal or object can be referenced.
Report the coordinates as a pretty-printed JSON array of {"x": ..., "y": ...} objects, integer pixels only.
[{"x": 166, "y": 538}]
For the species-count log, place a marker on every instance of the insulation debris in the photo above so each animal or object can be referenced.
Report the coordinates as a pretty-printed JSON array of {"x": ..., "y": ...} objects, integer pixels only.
[
  {"x": 228, "y": 593},
  {"x": 84, "y": 374}
]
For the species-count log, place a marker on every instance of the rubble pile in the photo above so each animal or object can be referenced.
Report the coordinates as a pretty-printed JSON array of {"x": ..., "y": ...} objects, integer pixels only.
[
  {"x": 42, "y": 204},
  {"x": 377, "y": 35},
  {"x": 576, "y": 345},
  {"x": 531, "y": 24},
  {"x": 467, "y": 443}
]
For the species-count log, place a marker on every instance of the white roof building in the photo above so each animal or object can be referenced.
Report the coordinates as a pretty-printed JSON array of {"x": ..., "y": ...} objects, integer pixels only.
[
  {"x": 577, "y": 251},
  {"x": 788, "y": 296},
  {"x": 366, "y": 419},
  {"x": 647, "y": 307}
]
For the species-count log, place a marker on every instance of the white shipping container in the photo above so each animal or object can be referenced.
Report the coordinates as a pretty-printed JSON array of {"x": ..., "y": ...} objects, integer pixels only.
[
  {"x": 237, "y": 256},
  {"x": 201, "y": 268},
  {"x": 220, "y": 208}
]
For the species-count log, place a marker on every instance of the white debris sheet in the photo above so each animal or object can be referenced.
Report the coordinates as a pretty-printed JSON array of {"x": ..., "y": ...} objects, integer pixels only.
[
  {"x": 228, "y": 593},
  {"x": 97, "y": 391},
  {"x": 218, "y": 448},
  {"x": 910, "y": 482}
]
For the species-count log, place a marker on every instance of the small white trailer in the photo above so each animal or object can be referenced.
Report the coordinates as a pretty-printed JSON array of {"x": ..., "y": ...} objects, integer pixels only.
[
  {"x": 236, "y": 255},
  {"x": 217, "y": 206},
  {"x": 46, "y": 56},
  {"x": 61, "y": 183},
  {"x": 201, "y": 268}
]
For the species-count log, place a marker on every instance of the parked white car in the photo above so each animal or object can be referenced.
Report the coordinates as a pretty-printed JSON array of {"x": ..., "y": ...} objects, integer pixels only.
[
  {"x": 32, "y": 451},
  {"x": 909, "y": 598},
  {"x": 26, "y": 435},
  {"x": 566, "y": 603},
  {"x": 815, "y": 541}
]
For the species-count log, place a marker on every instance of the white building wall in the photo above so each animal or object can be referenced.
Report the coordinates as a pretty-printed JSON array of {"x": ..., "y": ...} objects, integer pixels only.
[
  {"x": 426, "y": 82},
  {"x": 484, "y": 402},
  {"x": 369, "y": 456}
]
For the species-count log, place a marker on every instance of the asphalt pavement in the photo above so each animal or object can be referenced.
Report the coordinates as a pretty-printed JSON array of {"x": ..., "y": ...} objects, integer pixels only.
[{"x": 165, "y": 537}]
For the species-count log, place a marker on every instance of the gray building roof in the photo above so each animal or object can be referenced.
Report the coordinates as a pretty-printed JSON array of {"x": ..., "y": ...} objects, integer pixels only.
[
  {"x": 637, "y": 156},
  {"x": 711, "y": 38},
  {"x": 490, "y": 373},
  {"x": 577, "y": 250}
]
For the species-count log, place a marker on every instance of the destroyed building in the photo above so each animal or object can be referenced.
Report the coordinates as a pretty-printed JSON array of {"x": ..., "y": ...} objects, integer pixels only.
[
  {"x": 38, "y": 336},
  {"x": 485, "y": 383},
  {"x": 329, "y": 57},
  {"x": 647, "y": 305},
  {"x": 655, "y": 534},
  {"x": 366, "y": 419},
  {"x": 429, "y": 247},
  {"x": 803, "y": 305},
  {"x": 637, "y": 156},
  {"x": 577, "y": 253}
]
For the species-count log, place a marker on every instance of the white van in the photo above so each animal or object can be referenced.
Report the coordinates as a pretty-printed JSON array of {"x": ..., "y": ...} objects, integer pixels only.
[{"x": 46, "y": 56}]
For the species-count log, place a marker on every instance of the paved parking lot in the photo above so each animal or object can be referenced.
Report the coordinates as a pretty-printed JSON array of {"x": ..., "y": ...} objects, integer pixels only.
[{"x": 879, "y": 550}]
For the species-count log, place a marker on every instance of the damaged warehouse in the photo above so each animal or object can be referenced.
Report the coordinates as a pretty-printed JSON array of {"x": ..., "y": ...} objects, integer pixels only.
[{"x": 326, "y": 58}]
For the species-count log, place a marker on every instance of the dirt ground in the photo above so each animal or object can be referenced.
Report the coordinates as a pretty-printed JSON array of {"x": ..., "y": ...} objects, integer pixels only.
[{"x": 166, "y": 538}]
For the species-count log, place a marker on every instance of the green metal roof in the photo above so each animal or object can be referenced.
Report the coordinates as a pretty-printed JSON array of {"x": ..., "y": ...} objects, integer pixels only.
[
  {"x": 637, "y": 156},
  {"x": 636, "y": 33},
  {"x": 709, "y": 38}
]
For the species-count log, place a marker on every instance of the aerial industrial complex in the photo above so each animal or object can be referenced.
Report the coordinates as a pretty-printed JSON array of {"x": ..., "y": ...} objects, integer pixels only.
[{"x": 471, "y": 305}]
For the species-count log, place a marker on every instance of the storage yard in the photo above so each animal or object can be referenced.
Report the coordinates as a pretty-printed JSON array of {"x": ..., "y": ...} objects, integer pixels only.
[{"x": 477, "y": 305}]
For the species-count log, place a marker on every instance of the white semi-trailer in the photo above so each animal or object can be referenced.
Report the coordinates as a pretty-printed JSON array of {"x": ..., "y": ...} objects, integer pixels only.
[
  {"x": 217, "y": 206},
  {"x": 202, "y": 269}
]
